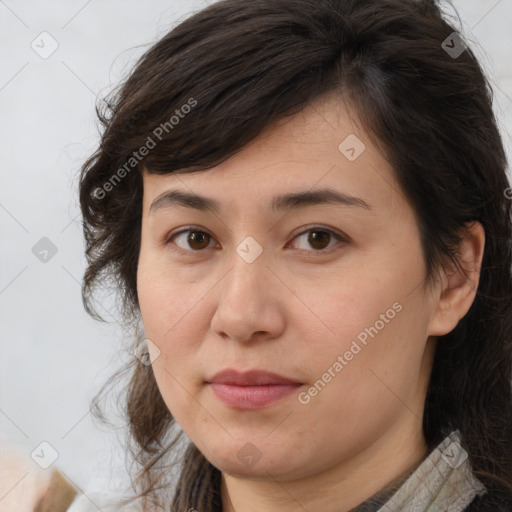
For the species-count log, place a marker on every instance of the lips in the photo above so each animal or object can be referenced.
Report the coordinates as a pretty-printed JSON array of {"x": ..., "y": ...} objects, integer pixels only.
[
  {"x": 250, "y": 378},
  {"x": 251, "y": 390}
]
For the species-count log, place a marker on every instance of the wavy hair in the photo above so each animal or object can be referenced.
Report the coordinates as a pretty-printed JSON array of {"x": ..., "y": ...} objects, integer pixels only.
[{"x": 224, "y": 75}]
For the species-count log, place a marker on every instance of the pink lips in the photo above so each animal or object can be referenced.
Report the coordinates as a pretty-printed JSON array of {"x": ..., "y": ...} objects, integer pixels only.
[{"x": 251, "y": 390}]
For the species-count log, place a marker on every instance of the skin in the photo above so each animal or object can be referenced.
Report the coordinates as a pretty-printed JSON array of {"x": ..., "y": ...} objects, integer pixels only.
[{"x": 293, "y": 311}]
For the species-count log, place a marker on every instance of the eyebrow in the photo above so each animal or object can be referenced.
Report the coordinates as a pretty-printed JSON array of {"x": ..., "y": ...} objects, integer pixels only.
[{"x": 175, "y": 198}]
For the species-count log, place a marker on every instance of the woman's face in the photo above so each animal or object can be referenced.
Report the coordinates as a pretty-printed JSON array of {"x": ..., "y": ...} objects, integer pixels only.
[{"x": 326, "y": 293}]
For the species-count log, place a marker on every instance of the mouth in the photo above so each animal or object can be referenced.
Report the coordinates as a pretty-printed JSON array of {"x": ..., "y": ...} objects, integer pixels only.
[
  {"x": 251, "y": 397},
  {"x": 233, "y": 377},
  {"x": 251, "y": 390}
]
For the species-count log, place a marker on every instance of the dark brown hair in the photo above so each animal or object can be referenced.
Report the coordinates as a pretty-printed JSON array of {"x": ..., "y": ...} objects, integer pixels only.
[{"x": 239, "y": 66}]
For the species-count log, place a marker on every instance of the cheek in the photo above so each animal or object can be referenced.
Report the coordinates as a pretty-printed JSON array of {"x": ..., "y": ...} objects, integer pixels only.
[
  {"x": 359, "y": 389},
  {"x": 365, "y": 344},
  {"x": 170, "y": 310},
  {"x": 161, "y": 314},
  {"x": 175, "y": 333},
  {"x": 166, "y": 301},
  {"x": 352, "y": 307}
]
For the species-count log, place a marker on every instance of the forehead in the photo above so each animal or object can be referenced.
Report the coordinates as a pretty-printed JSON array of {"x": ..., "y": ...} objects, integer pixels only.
[{"x": 320, "y": 148}]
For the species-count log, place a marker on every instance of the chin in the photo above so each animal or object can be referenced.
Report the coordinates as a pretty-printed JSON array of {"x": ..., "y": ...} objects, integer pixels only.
[{"x": 248, "y": 460}]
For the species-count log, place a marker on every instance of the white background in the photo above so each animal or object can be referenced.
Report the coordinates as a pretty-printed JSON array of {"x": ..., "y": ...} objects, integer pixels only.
[{"x": 54, "y": 357}]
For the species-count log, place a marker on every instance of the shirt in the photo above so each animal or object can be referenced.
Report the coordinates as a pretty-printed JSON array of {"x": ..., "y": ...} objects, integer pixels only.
[{"x": 443, "y": 482}]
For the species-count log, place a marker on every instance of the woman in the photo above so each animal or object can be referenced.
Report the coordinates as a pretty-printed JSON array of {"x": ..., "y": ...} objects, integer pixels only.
[{"x": 304, "y": 206}]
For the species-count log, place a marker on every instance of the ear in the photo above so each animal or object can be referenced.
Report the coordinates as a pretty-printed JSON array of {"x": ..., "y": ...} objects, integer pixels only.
[{"x": 458, "y": 291}]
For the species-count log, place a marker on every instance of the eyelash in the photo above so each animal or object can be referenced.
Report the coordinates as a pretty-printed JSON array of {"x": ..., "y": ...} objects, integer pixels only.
[{"x": 169, "y": 239}]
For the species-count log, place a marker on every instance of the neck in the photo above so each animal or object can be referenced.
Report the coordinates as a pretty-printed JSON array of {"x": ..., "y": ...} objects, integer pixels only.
[{"x": 389, "y": 460}]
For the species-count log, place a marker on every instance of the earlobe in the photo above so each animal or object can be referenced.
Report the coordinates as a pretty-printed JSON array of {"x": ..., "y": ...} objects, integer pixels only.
[{"x": 459, "y": 284}]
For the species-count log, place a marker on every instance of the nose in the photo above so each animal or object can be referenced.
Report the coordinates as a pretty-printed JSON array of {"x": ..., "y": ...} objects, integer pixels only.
[{"x": 251, "y": 302}]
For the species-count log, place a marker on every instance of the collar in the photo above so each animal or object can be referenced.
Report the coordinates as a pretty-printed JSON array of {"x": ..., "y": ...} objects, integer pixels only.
[{"x": 443, "y": 482}]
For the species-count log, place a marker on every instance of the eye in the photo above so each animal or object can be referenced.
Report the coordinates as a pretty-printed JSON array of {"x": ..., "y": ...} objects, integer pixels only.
[
  {"x": 319, "y": 238},
  {"x": 198, "y": 240}
]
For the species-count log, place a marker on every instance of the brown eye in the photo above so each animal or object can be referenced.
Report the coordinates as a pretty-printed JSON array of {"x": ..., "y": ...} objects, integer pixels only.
[
  {"x": 318, "y": 238},
  {"x": 197, "y": 239},
  {"x": 194, "y": 242}
]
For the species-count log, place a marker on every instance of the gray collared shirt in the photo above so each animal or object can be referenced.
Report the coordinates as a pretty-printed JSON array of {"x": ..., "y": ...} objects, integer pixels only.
[{"x": 443, "y": 482}]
